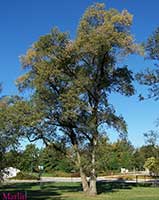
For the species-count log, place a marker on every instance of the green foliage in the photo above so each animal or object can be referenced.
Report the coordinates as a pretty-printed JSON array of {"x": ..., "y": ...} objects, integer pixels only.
[
  {"x": 62, "y": 173},
  {"x": 25, "y": 176},
  {"x": 13, "y": 158},
  {"x": 139, "y": 159},
  {"x": 55, "y": 160},
  {"x": 9, "y": 130},
  {"x": 143, "y": 153},
  {"x": 124, "y": 152},
  {"x": 152, "y": 46},
  {"x": 110, "y": 158},
  {"x": 74, "y": 77},
  {"x": 150, "y": 151},
  {"x": 153, "y": 165},
  {"x": 113, "y": 157},
  {"x": 105, "y": 156},
  {"x": 30, "y": 160},
  {"x": 151, "y": 137},
  {"x": 150, "y": 76}
]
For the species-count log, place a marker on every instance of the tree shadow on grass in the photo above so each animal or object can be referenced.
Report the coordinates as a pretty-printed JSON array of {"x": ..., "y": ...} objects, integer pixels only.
[
  {"x": 113, "y": 186},
  {"x": 43, "y": 195},
  {"x": 33, "y": 191},
  {"x": 20, "y": 186},
  {"x": 63, "y": 187},
  {"x": 54, "y": 191},
  {"x": 105, "y": 186}
]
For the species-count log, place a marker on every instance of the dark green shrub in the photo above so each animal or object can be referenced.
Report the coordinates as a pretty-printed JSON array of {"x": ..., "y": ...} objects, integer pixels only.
[{"x": 25, "y": 176}]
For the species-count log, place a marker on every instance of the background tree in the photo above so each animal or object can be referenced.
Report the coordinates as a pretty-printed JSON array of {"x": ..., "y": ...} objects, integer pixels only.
[
  {"x": 150, "y": 77},
  {"x": 54, "y": 160},
  {"x": 104, "y": 155},
  {"x": 152, "y": 164},
  {"x": 13, "y": 158},
  {"x": 143, "y": 153},
  {"x": 30, "y": 160},
  {"x": 151, "y": 137},
  {"x": 124, "y": 152},
  {"x": 139, "y": 160},
  {"x": 112, "y": 157},
  {"x": 9, "y": 132}
]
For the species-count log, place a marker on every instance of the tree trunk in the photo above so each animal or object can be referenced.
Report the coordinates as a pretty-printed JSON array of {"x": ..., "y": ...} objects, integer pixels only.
[
  {"x": 84, "y": 181},
  {"x": 93, "y": 186}
]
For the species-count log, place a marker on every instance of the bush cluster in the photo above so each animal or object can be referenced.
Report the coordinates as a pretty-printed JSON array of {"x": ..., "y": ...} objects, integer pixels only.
[{"x": 25, "y": 176}]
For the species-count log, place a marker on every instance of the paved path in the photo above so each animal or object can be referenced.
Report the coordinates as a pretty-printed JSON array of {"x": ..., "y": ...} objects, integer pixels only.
[{"x": 74, "y": 179}]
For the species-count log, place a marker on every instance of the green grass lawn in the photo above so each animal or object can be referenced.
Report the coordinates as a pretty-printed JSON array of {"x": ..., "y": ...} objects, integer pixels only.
[{"x": 72, "y": 191}]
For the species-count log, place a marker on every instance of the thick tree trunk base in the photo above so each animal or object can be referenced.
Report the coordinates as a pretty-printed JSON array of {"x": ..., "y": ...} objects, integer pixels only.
[
  {"x": 85, "y": 185},
  {"x": 92, "y": 187},
  {"x": 89, "y": 188}
]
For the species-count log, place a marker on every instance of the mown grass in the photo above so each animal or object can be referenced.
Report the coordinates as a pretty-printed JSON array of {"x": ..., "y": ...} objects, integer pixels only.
[{"x": 72, "y": 191}]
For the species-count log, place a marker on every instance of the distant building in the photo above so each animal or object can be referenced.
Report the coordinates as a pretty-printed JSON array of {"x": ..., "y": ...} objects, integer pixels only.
[
  {"x": 124, "y": 170},
  {"x": 10, "y": 172}
]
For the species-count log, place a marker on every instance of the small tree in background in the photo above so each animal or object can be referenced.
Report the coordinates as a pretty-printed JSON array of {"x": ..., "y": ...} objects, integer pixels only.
[
  {"x": 150, "y": 77},
  {"x": 152, "y": 164},
  {"x": 9, "y": 132},
  {"x": 30, "y": 159}
]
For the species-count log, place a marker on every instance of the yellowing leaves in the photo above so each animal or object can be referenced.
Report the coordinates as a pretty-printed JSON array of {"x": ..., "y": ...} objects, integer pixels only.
[
  {"x": 28, "y": 59},
  {"x": 22, "y": 78},
  {"x": 100, "y": 29},
  {"x": 123, "y": 18}
]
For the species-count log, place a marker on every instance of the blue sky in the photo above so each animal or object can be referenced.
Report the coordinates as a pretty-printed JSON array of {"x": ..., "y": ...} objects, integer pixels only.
[{"x": 23, "y": 21}]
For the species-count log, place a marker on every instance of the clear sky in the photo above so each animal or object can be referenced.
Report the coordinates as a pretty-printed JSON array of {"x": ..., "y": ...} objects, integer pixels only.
[{"x": 23, "y": 21}]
